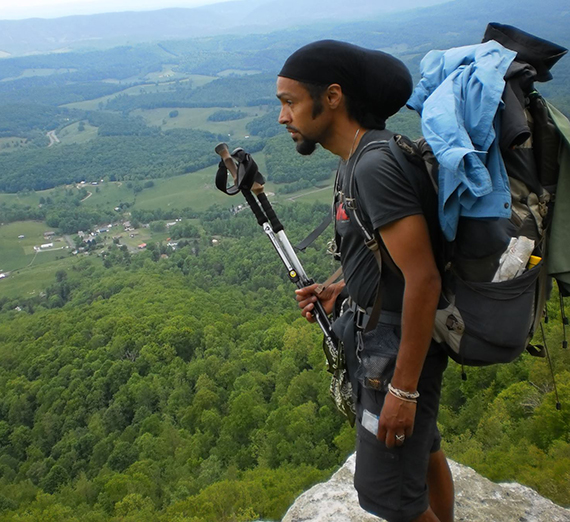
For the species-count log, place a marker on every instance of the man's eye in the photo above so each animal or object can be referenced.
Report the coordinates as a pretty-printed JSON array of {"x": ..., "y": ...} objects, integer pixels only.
[{"x": 289, "y": 102}]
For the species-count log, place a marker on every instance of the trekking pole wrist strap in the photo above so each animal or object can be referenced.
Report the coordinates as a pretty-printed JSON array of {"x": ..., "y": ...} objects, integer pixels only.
[{"x": 332, "y": 279}]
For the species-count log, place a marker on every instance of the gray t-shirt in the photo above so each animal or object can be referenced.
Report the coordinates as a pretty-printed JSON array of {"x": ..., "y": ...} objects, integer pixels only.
[{"x": 384, "y": 194}]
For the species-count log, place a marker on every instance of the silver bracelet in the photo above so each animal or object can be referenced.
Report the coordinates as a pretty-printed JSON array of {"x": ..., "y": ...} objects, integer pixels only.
[
  {"x": 402, "y": 398},
  {"x": 402, "y": 394}
]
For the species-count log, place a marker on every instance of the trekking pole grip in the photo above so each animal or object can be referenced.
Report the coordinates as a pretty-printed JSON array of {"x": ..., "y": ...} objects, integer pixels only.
[
  {"x": 273, "y": 219},
  {"x": 223, "y": 151},
  {"x": 255, "y": 208}
]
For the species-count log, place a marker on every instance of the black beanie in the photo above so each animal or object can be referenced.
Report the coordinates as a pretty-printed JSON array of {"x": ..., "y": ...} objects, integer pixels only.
[{"x": 375, "y": 79}]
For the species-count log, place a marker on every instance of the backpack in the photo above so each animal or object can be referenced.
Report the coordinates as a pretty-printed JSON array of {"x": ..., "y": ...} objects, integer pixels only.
[
  {"x": 495, "y": 280},
  {"x": 482, "y": 321}
]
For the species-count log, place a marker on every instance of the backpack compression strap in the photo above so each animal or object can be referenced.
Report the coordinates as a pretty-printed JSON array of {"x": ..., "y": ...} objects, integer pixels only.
[{"x": 327, "y": 220}]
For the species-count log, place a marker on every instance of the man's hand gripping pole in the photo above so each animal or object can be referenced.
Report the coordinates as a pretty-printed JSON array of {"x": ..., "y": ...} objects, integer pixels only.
[{"x": 249, "y": 181}]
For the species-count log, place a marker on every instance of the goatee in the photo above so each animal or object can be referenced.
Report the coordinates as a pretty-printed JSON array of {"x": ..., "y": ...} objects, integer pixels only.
[{"x": 306, "y": 147}]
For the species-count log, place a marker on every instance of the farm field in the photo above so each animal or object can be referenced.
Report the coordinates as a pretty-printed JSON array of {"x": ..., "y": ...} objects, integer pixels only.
[
  {"x": 18, "y": 253},
  {"x": 108, "y": 194},
  {"x": 157, "y": 86},
  {"x": 239, "y": 72},
  {"x": 96, "y": 103},
  {"x": 28, "y": 198},
  {"x": 11, "y": 144},
  {"x": 168, "y": 76},
  {"x": 71, "y": 134},
  {"x": 29, "y": 281},
  {"x": 321, "y": 194},
  {"x": 198, "y": 119},
  {"x": 33, "y": 198},
  {"x": 30, "y": 273},
  {"x": 195, "y": 190},
  {"x": 29, "y": 73}
]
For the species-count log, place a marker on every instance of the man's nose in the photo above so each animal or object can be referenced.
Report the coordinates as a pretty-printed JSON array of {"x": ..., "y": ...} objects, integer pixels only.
[{"x": 284, "y": 115}]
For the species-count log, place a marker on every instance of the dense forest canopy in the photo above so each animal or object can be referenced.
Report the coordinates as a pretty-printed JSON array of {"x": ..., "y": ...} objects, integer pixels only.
[{"x": 182, "y": 385}]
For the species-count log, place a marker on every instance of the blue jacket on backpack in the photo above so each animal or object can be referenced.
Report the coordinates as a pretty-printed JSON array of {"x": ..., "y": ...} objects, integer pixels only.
[{"x": 458, "y": 98}]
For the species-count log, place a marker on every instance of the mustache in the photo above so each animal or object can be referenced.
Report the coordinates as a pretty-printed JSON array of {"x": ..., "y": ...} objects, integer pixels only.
[{"x": 291, "y": 129}]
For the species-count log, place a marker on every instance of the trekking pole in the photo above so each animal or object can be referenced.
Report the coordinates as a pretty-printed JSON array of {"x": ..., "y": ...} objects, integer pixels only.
[{"x": 249, "y": 181}]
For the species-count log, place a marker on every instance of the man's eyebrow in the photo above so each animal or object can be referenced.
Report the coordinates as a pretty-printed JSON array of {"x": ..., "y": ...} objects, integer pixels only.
[{"x": 283, "y": 95}]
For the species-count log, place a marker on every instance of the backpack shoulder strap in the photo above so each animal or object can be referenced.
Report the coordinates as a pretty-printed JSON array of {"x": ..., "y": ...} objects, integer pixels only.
[
  {"x": 405, "y": 150},
  {"x": 372, "y": 238},
  {"x": 350, "y": 199}
]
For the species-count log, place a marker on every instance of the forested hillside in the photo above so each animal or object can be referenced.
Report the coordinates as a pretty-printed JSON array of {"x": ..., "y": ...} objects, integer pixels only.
[{"x": 183, "y": 386}]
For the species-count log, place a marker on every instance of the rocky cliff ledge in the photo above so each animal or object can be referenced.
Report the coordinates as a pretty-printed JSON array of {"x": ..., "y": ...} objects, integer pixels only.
[{"x": 476, "y": 500}]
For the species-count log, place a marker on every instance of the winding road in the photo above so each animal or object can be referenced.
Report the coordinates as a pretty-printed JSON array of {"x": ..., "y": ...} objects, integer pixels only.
[{"x": 53, "y": 139}]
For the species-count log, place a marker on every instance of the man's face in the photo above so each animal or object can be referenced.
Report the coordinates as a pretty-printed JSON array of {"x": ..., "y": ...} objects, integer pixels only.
[{"x": 306, "y": 128}]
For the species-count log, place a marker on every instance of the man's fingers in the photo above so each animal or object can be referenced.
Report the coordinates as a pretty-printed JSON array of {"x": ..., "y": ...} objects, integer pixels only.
[
  {"x": 381, "y": 433},
  {"x": 303, "y": 298},
  {"x": 307, "y": 308},
  {"x": 399, "y": 438},
  {"x": 307, "y": 290},
  {"x": 306, "y": 300},
  {"x": 390, "y": 439}
]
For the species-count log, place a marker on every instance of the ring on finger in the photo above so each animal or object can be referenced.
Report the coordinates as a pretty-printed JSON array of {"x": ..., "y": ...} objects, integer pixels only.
[{"x": 400, "y": 438}]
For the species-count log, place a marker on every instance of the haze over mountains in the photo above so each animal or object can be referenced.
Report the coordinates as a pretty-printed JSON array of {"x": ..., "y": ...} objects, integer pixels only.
[
  {"x": 242, "y": 16},
  {"x": 413, "y": 17}
]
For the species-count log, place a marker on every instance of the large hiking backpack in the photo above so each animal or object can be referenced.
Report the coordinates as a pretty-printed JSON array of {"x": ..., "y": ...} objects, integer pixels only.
[
  {"x": 479, "y": 320},
  {"x": 488, "y": 314}
]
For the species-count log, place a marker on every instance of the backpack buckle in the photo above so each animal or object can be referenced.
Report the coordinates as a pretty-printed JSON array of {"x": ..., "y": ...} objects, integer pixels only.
[
  {"x": 350, "y": 203},
  {"x": 360, "y": 318},
  {"x": 405, "y": 144},
  {"x": 372, "y": 244}
]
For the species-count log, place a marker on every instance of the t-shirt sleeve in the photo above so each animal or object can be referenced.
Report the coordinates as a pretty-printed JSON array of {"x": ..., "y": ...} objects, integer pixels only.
[{"x": 384, "y": 191}]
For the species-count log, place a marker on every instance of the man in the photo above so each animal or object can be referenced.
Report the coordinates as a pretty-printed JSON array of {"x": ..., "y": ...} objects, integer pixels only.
[{"x": 339, "y": 96}]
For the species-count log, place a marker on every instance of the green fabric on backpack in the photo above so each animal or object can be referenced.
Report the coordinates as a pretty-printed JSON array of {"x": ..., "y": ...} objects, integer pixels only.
[{"x": 558, "y": 259}]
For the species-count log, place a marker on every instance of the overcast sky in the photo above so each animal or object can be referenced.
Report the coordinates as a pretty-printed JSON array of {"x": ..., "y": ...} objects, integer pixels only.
[{"x": 18, "y": 9}]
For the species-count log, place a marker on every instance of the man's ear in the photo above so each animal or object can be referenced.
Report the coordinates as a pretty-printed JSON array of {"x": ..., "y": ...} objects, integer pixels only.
[{"x": 334, "y": 95}]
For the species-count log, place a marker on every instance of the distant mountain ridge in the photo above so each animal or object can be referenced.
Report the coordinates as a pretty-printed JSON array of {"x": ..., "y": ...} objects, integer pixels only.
[
  {"x": 36, "y": 35},
  {"x": 367, "y": 22}
]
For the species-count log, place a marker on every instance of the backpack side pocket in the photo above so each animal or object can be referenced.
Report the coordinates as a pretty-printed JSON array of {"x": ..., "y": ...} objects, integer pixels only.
[{"x": 378, "y": 350}]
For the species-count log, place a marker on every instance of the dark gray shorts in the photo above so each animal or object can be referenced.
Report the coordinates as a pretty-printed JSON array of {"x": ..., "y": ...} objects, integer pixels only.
[{"x": 391, "y": 483}]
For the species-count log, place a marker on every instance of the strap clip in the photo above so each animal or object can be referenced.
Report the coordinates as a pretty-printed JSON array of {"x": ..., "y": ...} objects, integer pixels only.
[
  {"x": 349, "y": 203},
  {"x": 372, "y": 244}
]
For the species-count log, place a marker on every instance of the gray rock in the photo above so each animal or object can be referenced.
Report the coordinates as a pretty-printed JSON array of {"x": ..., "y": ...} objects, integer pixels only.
[{"x": 477, "y": 499}]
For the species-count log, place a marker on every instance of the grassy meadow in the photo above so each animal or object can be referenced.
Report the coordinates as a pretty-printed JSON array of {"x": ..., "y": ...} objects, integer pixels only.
[
  {"x": 198, "y": 119},
  {"x": 19, "y": 253},
  {"x": 31, "y": 280},
  {"x": 152, "y": 82},
  {"x": 72, "y": 135},
  {"x": 11, "y": 144},
  {"x": 29, "y": 73}
]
